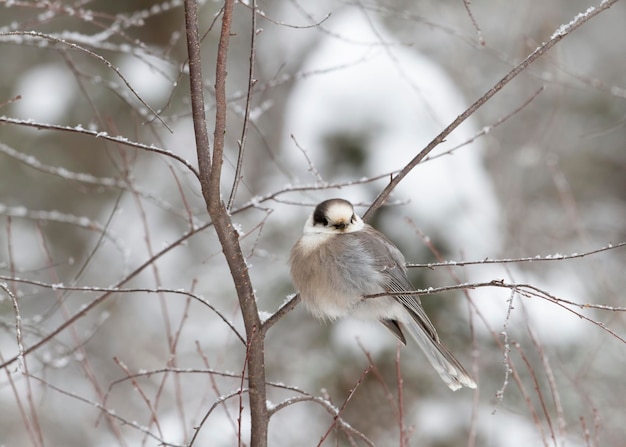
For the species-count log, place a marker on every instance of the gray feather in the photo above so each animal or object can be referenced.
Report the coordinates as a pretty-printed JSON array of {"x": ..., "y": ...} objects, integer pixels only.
[{"x": 390, "y": 261}]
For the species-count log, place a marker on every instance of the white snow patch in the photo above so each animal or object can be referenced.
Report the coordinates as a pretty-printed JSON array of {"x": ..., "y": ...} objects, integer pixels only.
[
  {"x": 149, "y": 76},
  {"x": 47, "y": 91}
]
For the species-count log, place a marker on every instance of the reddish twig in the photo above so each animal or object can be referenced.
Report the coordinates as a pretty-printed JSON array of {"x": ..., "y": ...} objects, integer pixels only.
[
  {"x": 345, "y": 403},
  {"x": 246, "y": 116}
]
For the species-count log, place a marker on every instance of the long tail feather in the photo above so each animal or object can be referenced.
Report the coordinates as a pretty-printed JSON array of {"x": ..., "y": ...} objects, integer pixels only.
[{"x": 449, "y": 368}]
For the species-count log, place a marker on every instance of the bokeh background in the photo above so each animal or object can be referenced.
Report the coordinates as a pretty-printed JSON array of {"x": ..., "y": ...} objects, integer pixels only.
[{"x": 345, "y": 93}]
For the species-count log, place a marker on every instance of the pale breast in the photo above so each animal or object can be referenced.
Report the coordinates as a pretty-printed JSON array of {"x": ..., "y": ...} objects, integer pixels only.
[{"x": 332, "y": 273}]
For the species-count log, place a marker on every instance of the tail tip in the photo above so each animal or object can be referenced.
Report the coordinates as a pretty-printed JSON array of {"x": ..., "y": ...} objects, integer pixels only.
[{"x": 458, "y": 381}]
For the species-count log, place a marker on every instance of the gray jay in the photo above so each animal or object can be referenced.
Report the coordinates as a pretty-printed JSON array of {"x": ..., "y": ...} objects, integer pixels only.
[{"x": 339, "y": 260}]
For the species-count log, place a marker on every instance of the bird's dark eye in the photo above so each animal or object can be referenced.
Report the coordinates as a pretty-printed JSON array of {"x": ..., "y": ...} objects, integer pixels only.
[
  {"x": 353, "y": 218},
  {"x": 325, "y": 221}
]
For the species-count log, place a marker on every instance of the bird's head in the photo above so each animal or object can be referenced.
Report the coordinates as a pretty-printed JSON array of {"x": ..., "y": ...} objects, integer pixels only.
[{"x": 334, "y": 216}]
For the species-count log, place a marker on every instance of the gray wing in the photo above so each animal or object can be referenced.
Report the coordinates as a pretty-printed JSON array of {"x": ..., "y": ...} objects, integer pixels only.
[
  {"x": 391, "y": 262},
  {"x": 398, "y": 282}
]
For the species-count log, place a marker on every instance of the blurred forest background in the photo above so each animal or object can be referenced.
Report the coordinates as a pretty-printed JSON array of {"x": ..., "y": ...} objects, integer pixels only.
[{"x": 99, "y": 204}]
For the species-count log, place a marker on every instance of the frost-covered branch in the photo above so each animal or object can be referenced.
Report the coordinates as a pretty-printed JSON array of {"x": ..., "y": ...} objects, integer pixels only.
[
  {"x": 79, "y": 129},
  {"x": 537, "y": 258}
]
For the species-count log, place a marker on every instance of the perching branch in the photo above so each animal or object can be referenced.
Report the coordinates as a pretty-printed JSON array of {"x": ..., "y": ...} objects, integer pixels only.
[{"x": 525, "y": 290}]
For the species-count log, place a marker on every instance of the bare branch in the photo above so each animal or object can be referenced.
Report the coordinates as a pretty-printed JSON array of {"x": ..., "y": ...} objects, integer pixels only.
[
  {"x": 485, "y": 130},
  {"x": 538, "y": 258},
  {"x": 345, "y": 403},
  {"x": 18, "y": 325},
  {"x": 479, "y": 32},
  {"x": 210, "y": 176},
  {"x": 109, "y": 413},
  {"x": 110, "y": 290},
  {"x": 330, "y": 408},
  {"x": 526, "y": 290},
  {"x": 287, "y": 307},
  {"x": 246, "y": 116},
  {"x": 103, "y": 135},
  {"x": 74, "y": 46}
]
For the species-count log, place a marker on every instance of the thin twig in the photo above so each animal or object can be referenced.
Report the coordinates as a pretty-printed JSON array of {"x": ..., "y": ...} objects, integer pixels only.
[
  {"x": 526, "y": 290},
  {"x": 217, "y": 403},
  {"x": 312, "y": 169},
  {"x": 506, "y": 351},
  {"x": 18, "y": 325},
  {"x": 74, "y": 46},
  {"x": 542, "y": 401},
  {"x": 110, "y": 413},
  {"x": 345, "y": 403},
  {"x": 37, "y": 435},
  {"x": 153, "y": 414},
  {"x": 108, "y": 292},
  {"x": 537, "y": 258},
  {"x": 329, "y": 407},
  {"x": 479, "y": 32},
  {"x": 246, "y": 116},
  {"x": 487, "y": 129},
  {"x": 552, "y": 384},
  {"x": 404, "y": 435},
  {"x": 215, "y": 387},
  {"x": 379, "y": 377},
  {"x": 102, "y": 135}
]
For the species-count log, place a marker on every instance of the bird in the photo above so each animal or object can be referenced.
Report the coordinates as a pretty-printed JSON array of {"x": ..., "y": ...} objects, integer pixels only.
[{"x": 340, "y": 261}]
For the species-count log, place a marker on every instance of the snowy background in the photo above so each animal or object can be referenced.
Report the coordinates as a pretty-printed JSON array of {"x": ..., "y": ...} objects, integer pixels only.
[{"x": 346, "y": 94}]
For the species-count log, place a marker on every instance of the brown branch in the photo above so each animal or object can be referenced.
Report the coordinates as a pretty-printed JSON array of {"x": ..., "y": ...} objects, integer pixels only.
[
  {"x": 287, "y": 307},
  {"x": 529, "y": 402},
  {"x": 220, "y": 105},
  {"x": 154, "y": 419},
  {"x": 196, "y": 90},
  {"x": 246, "y": 115},
  {"x": 563, "y": 31},
  {"x": 479, "y": 32},
  {"x": 210, "y": 175},
  {"x": 18, "y": 326},
  {"x": 345, "y": 403}
]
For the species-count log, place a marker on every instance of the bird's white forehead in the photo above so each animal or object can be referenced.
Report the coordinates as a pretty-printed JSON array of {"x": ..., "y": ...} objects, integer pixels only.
[{"x": 338, "y": 211}]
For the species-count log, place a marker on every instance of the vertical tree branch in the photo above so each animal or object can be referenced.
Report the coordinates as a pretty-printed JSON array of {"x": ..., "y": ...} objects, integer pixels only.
[
  {"x": 246, "y": 116},
  {"x": 210, "y": 176},
  {"x": 196, "y": 91},
  {"x": 220, "y": 100}
]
